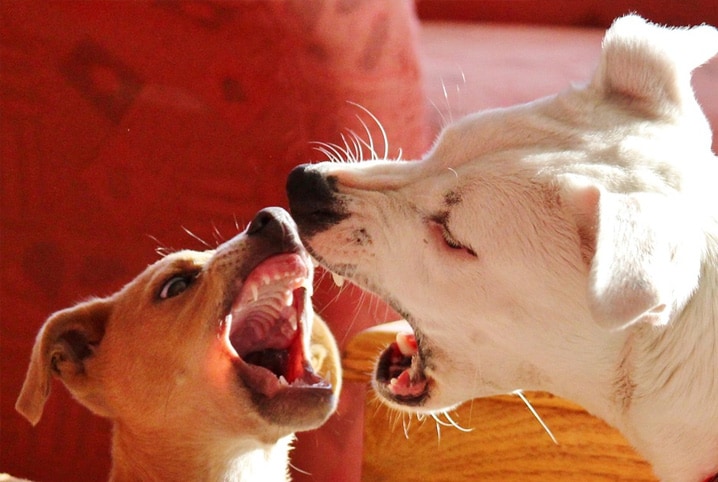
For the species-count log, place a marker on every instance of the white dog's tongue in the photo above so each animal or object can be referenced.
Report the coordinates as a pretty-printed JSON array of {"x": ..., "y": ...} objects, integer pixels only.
[{"x": 406, "y": 385}]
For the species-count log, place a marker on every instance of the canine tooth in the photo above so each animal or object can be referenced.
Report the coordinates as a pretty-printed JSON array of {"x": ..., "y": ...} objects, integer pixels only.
[
  {"x": 293, "y": 322},
  {"x": 255, "y": 292},
  {"x": 338, "y": 280},
  {"x": 283, "y": 381},
  {"x": 307, "y": 285},
  {"x": 406, "y": 343},
  {"x": 288, "y": 298}
]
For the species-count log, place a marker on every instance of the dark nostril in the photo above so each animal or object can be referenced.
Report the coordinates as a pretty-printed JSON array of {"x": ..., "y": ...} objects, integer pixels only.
[{"x": 261, "y": 221}]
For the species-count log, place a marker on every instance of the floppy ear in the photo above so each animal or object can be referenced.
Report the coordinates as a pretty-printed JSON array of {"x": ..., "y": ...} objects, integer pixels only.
[
  {"x": 643, "y": 252},
  {"x": 63, "y": 344}
]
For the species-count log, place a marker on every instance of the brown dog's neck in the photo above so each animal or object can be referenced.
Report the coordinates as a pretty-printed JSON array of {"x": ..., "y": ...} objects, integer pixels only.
[{"x": 161, "y": 459}]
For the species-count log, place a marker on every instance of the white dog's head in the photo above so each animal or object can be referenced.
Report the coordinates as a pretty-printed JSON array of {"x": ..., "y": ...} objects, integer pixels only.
[{"x": 531, "y": 241}]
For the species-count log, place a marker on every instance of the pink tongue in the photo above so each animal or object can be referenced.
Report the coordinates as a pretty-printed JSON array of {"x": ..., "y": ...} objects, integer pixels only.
[{"x": 403, "y": 385}]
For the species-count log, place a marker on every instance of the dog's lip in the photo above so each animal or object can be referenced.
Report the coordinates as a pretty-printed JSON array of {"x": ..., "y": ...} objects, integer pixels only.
[
  {"x": 265, "y": 327},
  {"x": 400, "y": 374}
]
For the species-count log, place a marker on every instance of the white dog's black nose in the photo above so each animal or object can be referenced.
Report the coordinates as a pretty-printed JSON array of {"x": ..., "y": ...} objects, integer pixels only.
[{"x": 313, "y": 200}]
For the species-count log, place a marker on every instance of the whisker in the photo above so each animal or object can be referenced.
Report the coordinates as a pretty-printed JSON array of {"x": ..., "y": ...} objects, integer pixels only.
[
  {"x": 452, "y": 423},
  {"x": 535, "y": 414},
  {"x": 406, "y": 423},
  {"x": 379, "y": 125},
  {"x": 329, "y": 150},
  {"x": 196, "y": 237}
]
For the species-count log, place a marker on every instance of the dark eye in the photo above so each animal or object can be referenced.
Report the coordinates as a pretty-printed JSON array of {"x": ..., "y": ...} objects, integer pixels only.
[{"x": 176, "y": 285}]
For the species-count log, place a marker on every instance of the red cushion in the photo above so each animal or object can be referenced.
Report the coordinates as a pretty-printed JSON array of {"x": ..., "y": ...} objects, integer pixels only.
[{"x": 125, "y": 123}]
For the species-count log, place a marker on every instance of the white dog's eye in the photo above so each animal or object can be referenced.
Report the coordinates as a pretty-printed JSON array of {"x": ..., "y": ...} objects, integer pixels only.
[
  {"x": 449, "y": 238},
  {"x": 450, "y": 241},
  {"x": 176, "y": 285}
]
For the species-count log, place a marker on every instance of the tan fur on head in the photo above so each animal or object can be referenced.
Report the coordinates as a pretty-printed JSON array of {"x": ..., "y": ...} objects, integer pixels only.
[{"x": 207, "y": 362}]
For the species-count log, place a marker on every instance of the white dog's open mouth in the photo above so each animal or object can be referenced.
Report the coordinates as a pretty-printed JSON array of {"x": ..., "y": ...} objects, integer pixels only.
[
  {"x": 400, "y": 373},
  {"x": 266, "y": 326}
]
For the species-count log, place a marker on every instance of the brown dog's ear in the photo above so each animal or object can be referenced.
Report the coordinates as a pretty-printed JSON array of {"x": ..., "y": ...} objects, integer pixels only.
[
  {"x": 63, "y": 344},
  {"x": 643, "y": 251}
]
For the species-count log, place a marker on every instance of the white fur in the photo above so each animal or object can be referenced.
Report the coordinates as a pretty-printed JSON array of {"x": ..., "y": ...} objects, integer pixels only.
[{"x": 589, "y": 227}]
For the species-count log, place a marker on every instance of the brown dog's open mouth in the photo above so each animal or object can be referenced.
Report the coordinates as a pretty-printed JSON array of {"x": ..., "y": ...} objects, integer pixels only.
[
  {"x": 400, "y": 373},
  {"x": 266, "y": 327}
]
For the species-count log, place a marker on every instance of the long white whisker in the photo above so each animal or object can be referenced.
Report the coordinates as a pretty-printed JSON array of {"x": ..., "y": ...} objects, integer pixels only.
[
  {"x": 370, "y": 142},
  {"x": 438, "y": 431},
  {"x": 359, "y": 144},
  {"x": 406, "y": 423},
  {"x": 535, "y": 414},
  {"x": 205, "y": 243},
  {"x": 332, "y": 151},
  {"x": 379, "y": 125},
  {"x": 352, "y": 154},
  {"x": 456, "y": 425}
]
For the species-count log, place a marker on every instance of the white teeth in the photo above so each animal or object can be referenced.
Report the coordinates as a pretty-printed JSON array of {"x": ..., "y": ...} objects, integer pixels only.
[
  {"x": 315, "y": 263},
  {"x": 283, "y": 381},
  {"x": 338, "y": 280},
  {"x": 266, "y": 279},
  {"x": 406, "y": 343},
  {"x": 255, "y": 292},
  {"x": 293, "y": 322},
  {"x": 288, "y": 298},
  {"x": 307, "y": 285}
]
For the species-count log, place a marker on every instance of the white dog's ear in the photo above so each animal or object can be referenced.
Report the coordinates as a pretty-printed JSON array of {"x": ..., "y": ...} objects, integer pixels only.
[
  {"x": 642, "y": 249},
  {"x": 652, "y": 65},
  {"x": 63, "y": 344}
]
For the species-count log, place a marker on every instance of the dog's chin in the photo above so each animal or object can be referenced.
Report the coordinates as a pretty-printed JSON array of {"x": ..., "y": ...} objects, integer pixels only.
[{"x": 265, "y": 330}]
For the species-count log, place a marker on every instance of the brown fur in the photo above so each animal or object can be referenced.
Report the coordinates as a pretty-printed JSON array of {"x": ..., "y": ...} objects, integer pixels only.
[{"x": 163, "y": 369}]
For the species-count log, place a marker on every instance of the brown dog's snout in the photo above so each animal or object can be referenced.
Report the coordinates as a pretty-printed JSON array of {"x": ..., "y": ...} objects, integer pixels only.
[{"x": 275, "y": 227}]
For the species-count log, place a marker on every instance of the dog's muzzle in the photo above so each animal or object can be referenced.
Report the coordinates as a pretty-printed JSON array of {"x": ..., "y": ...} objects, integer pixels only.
[{"x": 313, "y": 200}]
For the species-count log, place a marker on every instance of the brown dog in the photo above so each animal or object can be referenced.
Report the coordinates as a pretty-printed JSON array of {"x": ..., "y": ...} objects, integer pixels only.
[{"x": 207, "y": 362}]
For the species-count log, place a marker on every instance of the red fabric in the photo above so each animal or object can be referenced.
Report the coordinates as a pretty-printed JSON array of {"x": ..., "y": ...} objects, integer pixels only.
[
  {"x": 124, "y": 123},
  {"x": 585, "y": 13}
]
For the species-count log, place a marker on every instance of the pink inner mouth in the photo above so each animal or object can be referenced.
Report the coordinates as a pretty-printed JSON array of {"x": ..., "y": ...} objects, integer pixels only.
[
  {"x": 266, "y": 324},
  {"x": 400, "y": 372}
]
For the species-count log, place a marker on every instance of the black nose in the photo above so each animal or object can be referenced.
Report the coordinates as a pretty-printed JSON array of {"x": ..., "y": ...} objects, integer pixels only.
[
  {"x": 272, "y": 223},
  {"x": 313, "y": 200}
]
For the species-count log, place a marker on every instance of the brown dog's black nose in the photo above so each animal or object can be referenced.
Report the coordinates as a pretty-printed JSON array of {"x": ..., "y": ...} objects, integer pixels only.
[
  {"x": 313, "y": 200},
  {"x": 276, "y": 226}
]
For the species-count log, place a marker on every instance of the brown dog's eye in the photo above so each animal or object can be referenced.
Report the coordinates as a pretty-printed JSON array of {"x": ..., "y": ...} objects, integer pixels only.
[{"x": 176, "y": 285}]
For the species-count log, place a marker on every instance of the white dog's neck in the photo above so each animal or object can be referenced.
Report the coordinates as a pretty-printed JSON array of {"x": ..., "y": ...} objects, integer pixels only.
[
  {"x": 180, "y": 460},
  {"x": 656, "y": 400},
  {"x": 667, "y": 376}
]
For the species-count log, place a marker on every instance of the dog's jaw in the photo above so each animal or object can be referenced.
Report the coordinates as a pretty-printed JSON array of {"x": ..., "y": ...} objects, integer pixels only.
[{"x": 267, "y": 334}]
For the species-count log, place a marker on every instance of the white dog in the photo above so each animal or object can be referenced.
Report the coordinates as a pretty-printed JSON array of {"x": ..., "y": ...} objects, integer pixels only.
[{"x": 567, "y": 245}]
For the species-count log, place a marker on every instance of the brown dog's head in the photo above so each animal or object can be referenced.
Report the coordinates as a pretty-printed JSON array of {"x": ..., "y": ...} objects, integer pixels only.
[{"x": 221, "y": 342}]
